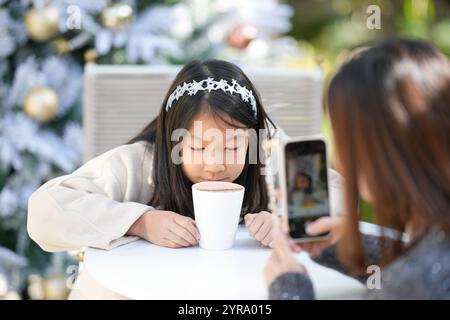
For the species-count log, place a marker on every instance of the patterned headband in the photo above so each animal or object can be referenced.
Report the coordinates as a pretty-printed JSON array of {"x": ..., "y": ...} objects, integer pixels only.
[{"x": 210, "y": 84}]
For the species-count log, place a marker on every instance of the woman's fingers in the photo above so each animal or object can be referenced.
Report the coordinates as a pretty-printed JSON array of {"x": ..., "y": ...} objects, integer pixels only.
[
  {"x": 318, "y": 247},
  {"x": 321, "y": 225},
  {"x": 281, "y": 261},
  {"x": 306, "y": 246},
  {"x": 294, "y": 246},
  {"x": 281, "y": 245},
  {"x": 284, "y": 225},
  {"x": 271, "y": 269}
]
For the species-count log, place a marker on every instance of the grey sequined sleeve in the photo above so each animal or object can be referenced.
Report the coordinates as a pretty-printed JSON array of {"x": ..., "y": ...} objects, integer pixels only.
[
  {"x": 328, "y": 257},
  {"x": 293, "y": 286},
  {"x": 421, "y": 272}
]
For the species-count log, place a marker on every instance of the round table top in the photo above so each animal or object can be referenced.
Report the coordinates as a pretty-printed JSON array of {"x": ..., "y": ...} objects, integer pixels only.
[{"x": 141, "y": 270}]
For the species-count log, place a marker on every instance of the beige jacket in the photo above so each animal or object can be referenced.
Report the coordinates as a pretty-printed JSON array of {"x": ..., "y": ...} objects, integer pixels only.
[{"x": 93, "y": 207}]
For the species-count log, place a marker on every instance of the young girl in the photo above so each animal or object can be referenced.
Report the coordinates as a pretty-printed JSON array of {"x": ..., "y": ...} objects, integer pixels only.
[
  {"x": 139, "y": 190},
  {"x": 390, "y": 113}
]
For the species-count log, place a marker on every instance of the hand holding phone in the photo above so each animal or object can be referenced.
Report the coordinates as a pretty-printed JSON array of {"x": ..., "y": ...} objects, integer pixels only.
[
  {"x": 331, "y": 225},
  {"x": 305, "y": 185}
]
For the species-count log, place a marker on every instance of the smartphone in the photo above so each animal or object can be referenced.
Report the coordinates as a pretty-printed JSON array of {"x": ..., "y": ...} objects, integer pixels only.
[{"x": 304, "y": 184}]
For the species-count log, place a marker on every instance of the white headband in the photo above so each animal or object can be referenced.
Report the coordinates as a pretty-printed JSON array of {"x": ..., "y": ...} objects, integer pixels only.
[{"x": 193, "y": 87}]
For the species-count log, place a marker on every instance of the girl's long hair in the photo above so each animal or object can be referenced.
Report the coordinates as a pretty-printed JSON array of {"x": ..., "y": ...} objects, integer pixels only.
[
  {"x": 172, "y": 190},
  {"x": 390, "y": 112}
]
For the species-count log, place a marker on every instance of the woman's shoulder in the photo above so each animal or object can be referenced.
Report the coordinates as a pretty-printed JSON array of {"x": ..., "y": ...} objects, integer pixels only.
[
  {"x": 431, "y": 250},
  {"x": 424, "y": 269}
]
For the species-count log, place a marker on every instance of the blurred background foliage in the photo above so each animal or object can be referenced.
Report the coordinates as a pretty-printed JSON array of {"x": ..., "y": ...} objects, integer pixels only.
[{"x": 335, "y": 27}]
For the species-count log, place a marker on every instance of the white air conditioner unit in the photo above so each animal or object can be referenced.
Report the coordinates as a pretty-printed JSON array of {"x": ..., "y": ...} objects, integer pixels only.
[{"x": 119, "y": 100}]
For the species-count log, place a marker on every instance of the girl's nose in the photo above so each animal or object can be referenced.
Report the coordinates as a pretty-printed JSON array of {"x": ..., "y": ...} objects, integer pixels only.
[
  {"x": 214, "y": 167},
  {"x": 213, "y": 162}
]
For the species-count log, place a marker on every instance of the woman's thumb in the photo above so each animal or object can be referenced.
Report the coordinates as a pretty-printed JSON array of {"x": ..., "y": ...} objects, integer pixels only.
[{"x": 319, "y": 226}]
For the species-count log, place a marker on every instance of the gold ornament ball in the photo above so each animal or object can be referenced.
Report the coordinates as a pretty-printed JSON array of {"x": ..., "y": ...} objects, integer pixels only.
[
  {"x": 41, "y": 104},
  {"x": 62, "y": 46},
  {"x": 116, "y": 16},
  {"x": 42, "y": 23},
  {"x": 90, "y": 55},
  {"x": 55, "y": 287}
]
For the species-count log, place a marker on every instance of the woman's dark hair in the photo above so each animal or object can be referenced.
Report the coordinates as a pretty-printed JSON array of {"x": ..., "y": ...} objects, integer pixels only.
[
  {"x": 390, "y": 113},
  {"x": 172, "y": 189}
]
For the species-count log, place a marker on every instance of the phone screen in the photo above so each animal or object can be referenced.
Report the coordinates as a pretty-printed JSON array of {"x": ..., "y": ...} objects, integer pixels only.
[{"x": 307, "y": 185}]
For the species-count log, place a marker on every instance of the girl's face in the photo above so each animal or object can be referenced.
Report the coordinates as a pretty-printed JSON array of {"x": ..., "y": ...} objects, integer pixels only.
[
  {"x": 302, "y": 182},
  {"x": 214, "y": 150}
]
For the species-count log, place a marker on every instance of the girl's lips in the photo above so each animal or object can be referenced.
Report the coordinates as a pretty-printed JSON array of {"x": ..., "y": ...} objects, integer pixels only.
[{"x": 202, "y": 180}]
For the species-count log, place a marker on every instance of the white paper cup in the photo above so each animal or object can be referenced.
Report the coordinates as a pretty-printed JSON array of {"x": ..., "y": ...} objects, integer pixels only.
[{"x": 217, "y": 207}]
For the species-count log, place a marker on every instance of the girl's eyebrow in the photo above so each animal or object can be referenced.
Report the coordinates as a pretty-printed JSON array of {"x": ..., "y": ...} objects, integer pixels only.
[{"x": 230, "y": 137}]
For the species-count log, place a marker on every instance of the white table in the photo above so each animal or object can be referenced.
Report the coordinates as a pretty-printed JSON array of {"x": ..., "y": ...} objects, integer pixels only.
[{"x": 141, "y": 270}]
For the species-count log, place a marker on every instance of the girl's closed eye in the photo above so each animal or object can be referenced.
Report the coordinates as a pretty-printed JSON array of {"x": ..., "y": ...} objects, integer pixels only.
[
  {"x": 197, "y": 149},
  {"x": 226, "y": 148},
  {"x": 235, "y": 144}
]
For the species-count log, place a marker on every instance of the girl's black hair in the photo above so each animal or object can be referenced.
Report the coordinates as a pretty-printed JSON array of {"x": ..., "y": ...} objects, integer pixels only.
[{"x": 172, "y": 189}]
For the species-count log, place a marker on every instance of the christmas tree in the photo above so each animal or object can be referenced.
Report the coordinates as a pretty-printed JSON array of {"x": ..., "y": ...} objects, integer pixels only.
[{"x": 43, "y": 48}]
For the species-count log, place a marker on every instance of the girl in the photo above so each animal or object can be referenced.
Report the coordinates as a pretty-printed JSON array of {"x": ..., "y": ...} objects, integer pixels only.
[
  {"x": 390, "y": 114},
  {"x": 141, "y": 190}
]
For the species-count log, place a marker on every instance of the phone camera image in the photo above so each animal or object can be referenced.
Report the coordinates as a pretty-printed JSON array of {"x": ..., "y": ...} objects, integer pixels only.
[{"x": 307, "y": 184}]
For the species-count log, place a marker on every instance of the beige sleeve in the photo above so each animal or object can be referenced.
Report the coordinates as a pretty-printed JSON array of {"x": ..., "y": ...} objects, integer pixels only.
[{"x": 95, "y": 205}]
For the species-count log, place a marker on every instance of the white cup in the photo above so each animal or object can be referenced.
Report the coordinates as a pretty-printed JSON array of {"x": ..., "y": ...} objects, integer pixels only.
[{"x": 217, "y": 208}]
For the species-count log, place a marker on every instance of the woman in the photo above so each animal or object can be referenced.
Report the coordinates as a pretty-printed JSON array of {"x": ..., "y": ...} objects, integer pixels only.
[{"x": 389, "y": 108}]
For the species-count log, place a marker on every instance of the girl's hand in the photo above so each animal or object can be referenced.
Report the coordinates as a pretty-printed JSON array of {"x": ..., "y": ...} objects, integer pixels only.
[
  {"x": 281, "y": 261},
  {"x": 332, "y": 224},
  {"x": 166, "y": 228},
  {"x": 260, "y": 226}
]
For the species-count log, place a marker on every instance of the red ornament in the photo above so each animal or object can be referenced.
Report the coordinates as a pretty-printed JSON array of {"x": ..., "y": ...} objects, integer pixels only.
[{"x": 241, "y": 36}]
